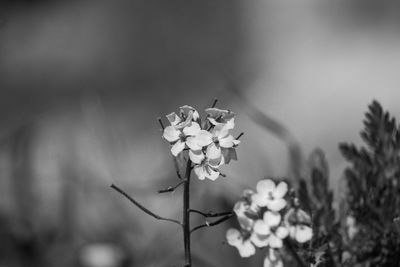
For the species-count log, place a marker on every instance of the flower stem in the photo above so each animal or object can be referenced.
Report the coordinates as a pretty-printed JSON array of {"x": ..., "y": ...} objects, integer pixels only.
[
  {"x": 140, "y": 206},
  {"x": 186, "y": 215}
]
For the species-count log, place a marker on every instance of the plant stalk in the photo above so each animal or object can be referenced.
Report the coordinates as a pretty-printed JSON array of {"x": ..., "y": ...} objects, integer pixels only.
[{"x": 186, "y": 215}]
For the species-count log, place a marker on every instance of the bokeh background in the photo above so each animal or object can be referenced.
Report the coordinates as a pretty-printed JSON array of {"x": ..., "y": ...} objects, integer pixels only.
[{"x": 82, "y": 83}]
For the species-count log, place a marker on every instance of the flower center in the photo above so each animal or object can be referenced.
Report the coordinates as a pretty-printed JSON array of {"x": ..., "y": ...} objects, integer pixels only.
[
  {"x": 182, "y": 137},
  {"x": 215, "y": 140}
]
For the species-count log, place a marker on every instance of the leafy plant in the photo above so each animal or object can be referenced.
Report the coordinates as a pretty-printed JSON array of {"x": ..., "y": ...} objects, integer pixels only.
[{"x": 373, "y": 196}]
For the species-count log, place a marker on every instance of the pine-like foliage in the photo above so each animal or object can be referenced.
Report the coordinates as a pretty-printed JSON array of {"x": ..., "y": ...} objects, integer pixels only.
[{"x": 373, "y": 196}]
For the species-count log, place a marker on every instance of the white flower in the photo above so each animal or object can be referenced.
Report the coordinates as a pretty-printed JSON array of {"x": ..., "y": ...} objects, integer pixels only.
[
  {"x": 268, "y": 231},
  {"x": 235, "y": 239},
  {"x": 184, "y": 130},
  {"x": 301, "y": 233},
  {"x": 221, "y": 140},
  {"x": 269, "y": 195},
  {"x": 297, "y": 221},
  {"x": 242, "y": 210},
  {"x": 179, "y": 133},
  {"x": 208, "y": 168}
]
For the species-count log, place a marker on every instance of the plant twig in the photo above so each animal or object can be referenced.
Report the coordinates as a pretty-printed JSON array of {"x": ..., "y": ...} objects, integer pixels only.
[
  {"x": 240, "y": 135},
  {"x": 214, "y": 103},
  {"x": 171, "y": 188},
  {"x": 211, "y": 214},
  {"x": 186, "y": 215},
  {"x": 140, "y": 206},
  {"x": 209, "y": 224},
  {"x": 161, "y": 123}
]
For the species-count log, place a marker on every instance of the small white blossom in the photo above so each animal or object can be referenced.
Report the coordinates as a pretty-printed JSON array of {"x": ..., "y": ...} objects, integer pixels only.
[
  {"x": 301, "y": 233},
  {"x": 268, "y": 231},
  {"x": 242, "y": 209},
  {"x": 298, "y": 221},
  {"x": 208, "y": 168},
  {"x": 235, "y": 239},
  {"x": 270, "y": 195}
]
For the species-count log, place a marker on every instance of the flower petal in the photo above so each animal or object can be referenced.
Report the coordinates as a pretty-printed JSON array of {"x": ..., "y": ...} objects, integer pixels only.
[
  {"x": 171, "y": 134},
  {"x": 213, "y": 152},
  {"x": 265, "y": 186},
  {"x": 226, "y": 142},
  {"x": 240, "y": 210},
  {"x": 261, "y": 227},
  {"x": 259, "y": 200},
  {"x": 173, "y": 118},
  {"x": 246, "y": 249},
  {"x": 203, "y": 138},
  {"x": 185, "y": 123},
  {"x": 200, "y": 172},
  {"x": 230, "y": 124},
  {"x": 186, "y": 110},
  {"x": 196, "y": 156},
  {"x": 274, "y": 241},
  {"x": 276, "y": 204},
  {"x": 177, "y": 148},
  {"x": 211, "y": 174},
  {"x": 192, "y": 144},
  {"x": 192, "y": 130},
  {"x": 272, "y": 218},
  {"x": 303, "y": 233},
  {"x": 214, "y": 112},
  {"x": 233, "y": 237},
  {"x": 282, "y": 232},
  {"x": 220, "y": 131},
  {"x": 259, "y": 240},
  {"x": 280, "y": 190},
  {"x": 215, "y": 163},
  {"x": 220, "y": 115}
]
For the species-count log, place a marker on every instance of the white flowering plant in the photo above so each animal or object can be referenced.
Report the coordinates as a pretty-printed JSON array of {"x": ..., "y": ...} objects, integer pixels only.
[
  {"x": 269, "y": 218},
  {"x": 294, "y": 222},
  {"x": 204, "y": 145}
]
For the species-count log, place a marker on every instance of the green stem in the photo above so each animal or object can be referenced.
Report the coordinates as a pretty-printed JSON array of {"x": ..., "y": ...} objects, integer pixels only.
[{"x": 186, "y": 215}]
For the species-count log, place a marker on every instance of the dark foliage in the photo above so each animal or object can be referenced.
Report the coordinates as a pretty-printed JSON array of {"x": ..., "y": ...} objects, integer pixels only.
[
  {"x": 373, "y": 196},
  {"x": 314, "y": 194}
]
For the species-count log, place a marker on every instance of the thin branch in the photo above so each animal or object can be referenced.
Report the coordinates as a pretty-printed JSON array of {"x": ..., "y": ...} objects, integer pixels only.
[
  {"x": 161, "y": 123},
  {"x": 240, "y": 135},
  {"x": 171, "y": 188},
  {"x": 140, "y": 206},
  {"x": 209, "y": 224},
  {"x": 214, "y": 103},
  {"x": 211, "y": 214}
]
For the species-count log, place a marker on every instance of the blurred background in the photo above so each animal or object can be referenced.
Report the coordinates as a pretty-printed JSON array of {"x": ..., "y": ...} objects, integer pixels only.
[{"x": 82, "y": 83}]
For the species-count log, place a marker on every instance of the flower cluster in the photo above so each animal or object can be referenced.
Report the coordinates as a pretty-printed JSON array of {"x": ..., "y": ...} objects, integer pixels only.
[
  {"x": 209, "y": 142},
  {"x": 266, "y": 218}
]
